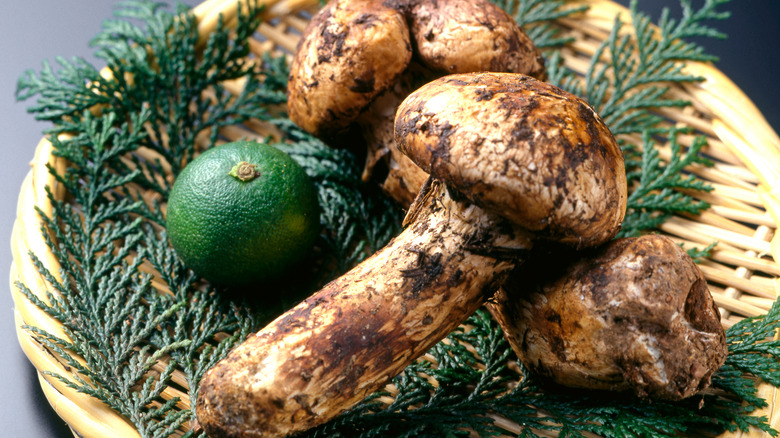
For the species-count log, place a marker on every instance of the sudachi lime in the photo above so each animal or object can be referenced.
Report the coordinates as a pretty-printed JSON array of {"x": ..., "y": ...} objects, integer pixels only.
[{"x": 242, "y": 212}]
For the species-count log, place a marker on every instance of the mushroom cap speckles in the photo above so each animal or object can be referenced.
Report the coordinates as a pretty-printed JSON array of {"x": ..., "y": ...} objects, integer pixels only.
[
  {"x": 349, "y": 53},
  {"x": 521, "y": 148},
  {"x": 472, "y": 36},
  {"x": 634, "y": 315}
]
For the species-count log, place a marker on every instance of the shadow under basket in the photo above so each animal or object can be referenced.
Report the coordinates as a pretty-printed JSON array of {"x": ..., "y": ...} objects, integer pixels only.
[{"x": 742, "y": 268}]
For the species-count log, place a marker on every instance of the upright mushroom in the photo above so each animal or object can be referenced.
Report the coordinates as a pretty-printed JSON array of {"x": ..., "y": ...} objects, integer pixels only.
[
  {"x": 350, "y": 52},
  {"x": 514, "y": 158},
  {"x": 355, "y": 65},
  {"x": 465, "y": 36},
  {"x": 634, "y": 315}
]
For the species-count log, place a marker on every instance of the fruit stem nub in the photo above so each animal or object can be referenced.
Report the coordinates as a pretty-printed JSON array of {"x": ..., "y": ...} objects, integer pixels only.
[{"x": 244, "y": 171}]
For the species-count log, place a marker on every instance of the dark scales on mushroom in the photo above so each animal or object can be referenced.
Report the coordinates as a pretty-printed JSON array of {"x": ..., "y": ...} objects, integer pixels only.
[
  {"x": 332, "y": 44},
  {"x": 624, "y": 311},
  {"x": 428, "y": 270},
  {"x": 367, "y": 20},
  {"x": 365, "y": 83},
  {"x": 484, "y": 94},
  {"x": 482, "y": 242}
]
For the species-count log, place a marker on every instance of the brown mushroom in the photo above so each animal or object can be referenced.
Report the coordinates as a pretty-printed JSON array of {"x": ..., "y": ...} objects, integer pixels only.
[
  {"x": 472, "y": 36},
  {"x": 350, "y": 338},
  {"x": 535, "y": 132},
  {"x": 635, "y": 315},
  {"x": 338, "y": 51},
  {"x": 350, "y": 52}
]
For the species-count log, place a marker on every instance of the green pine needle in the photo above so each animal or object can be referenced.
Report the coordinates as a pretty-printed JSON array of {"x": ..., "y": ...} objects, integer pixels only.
[
  {"x": 127, "y": 334},
  {"x": 360, "y": 221},
  {"x": 642, "y": 64},
  {"x": 536, "y": 16},
  {"x": 658, "y": 188}
]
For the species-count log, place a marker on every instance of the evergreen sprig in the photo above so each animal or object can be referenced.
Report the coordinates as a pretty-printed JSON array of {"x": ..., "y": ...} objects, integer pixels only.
[
  {"x": 133, "y": 314},
  {"x": 106, "y": 304},
  {"x": 358, "y": 219},
  {"x": 536, "y": 18},
  {"x": 125, "y": 132},
  {"x": 628, "y": 81},
  {"x": 658, "y": 188},
  {"x": 629, "y": 89},
  {"x": 753, "y": 351}
]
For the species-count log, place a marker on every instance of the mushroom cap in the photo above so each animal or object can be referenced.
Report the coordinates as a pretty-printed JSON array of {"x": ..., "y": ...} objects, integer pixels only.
[
  {"x": 349, "y": 53},
  {"x": 353, "y": 50},
  {"x": 462, "y": 36},
  {"x": 521, "y": 148},
  {"x": 634, "y": 315}
]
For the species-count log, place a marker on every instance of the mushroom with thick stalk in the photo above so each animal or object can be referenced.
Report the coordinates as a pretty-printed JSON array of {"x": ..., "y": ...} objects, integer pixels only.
[
  {"x": 690, "y": 346},
  {"x": 634, "y": 315},
  {"x": 461, "y": 240},
  {"x": 328, "y": 86}
]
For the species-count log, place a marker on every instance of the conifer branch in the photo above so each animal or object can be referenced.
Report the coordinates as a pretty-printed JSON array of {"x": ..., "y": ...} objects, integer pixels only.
[{"x": 133, "y": 313}]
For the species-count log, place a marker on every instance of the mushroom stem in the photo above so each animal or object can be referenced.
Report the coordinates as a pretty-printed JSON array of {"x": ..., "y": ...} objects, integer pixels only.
[
  {"x": 403, "y": 178},
  {"x": 349, "y": 339}
]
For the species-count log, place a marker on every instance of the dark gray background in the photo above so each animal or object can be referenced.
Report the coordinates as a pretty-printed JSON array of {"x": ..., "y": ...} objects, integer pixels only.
[{"x": 37, "y": 30}]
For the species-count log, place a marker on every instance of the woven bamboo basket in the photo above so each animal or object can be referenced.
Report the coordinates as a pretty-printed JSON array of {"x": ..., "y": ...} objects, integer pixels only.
[{"x": 742, "y": 270}]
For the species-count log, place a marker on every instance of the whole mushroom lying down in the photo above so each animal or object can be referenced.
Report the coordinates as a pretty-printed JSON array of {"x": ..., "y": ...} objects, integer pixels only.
[
  {"x": 512, "y": 160},
  {"x": 634, "y": 315}
]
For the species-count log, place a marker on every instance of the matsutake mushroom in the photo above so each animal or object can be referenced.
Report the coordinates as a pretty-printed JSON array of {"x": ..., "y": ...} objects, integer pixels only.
[
  {"x": 634, "y": 315},
  {"x": 467, "y": 36},
  {"x": 511, "y": 158},
  {"x": 358, "y": 60},
  {"x": 496, "y": 134},
  {"x": 349, "y": 53}
]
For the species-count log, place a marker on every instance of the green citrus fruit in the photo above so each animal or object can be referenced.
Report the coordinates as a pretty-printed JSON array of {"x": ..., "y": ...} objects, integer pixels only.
[{"x": 242, "y": 212}]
